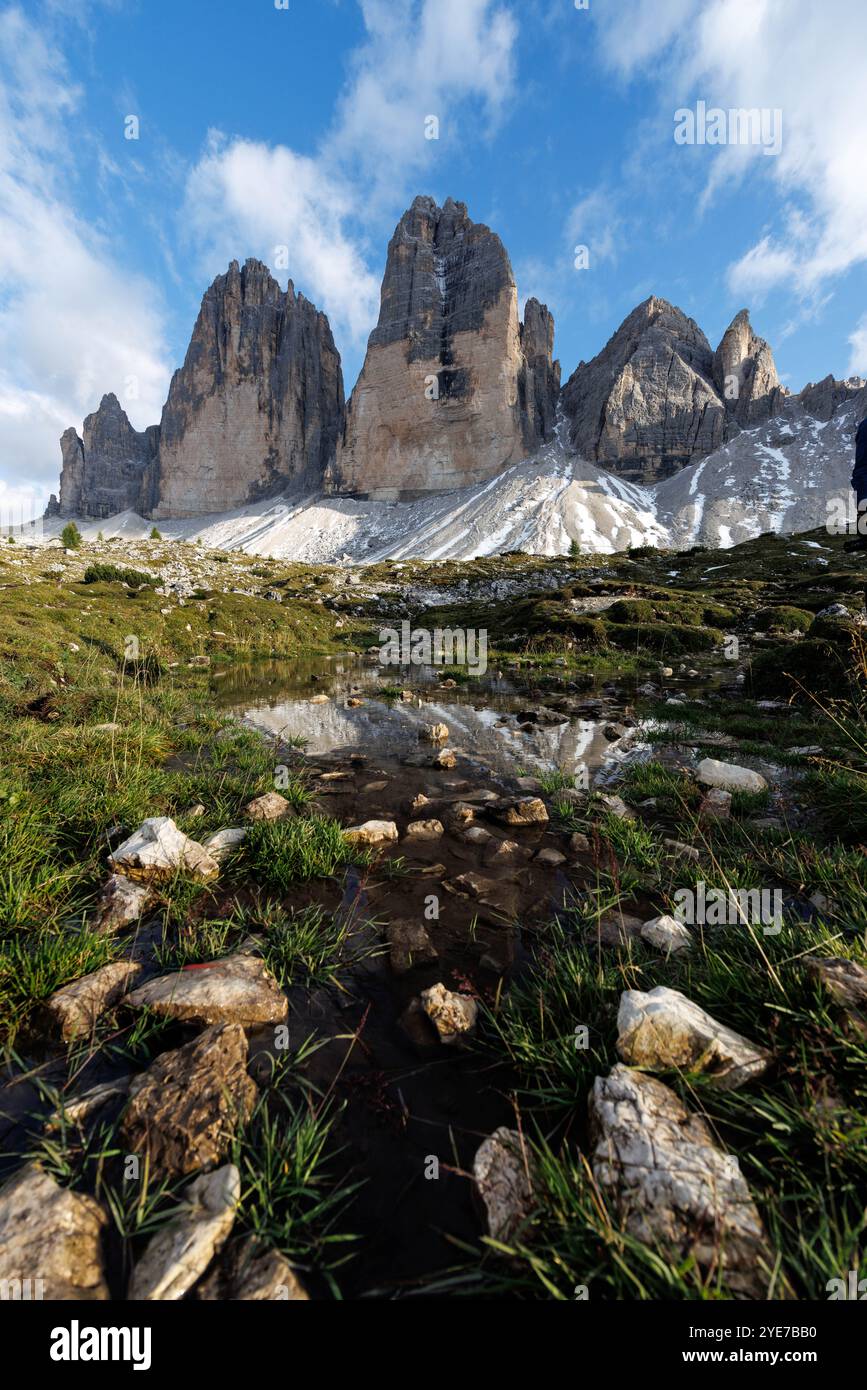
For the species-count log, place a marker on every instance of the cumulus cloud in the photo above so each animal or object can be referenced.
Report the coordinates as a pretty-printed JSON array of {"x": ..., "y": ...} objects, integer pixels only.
[
  {"x": 249, "y": 198},
  {"x": 427, "y": 58},
  {"x": 73, "y": 322},
  {"x": 803, "y": 58}
]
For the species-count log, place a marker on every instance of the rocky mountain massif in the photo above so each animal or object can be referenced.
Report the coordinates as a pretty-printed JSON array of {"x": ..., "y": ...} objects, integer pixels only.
[
  {"x": 454, "y": 387},
  {"x": 256, "y": 408},
  {"x": 456, "y": 392}
]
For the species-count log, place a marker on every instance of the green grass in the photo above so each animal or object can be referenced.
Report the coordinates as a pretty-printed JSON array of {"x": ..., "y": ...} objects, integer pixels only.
[
  {"x": 280, "y": 854},
  {"x": 32, "y": 968}
]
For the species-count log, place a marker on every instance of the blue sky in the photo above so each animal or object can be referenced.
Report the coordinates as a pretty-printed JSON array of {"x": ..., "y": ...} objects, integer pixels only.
[{"x": 305, "y": 127}]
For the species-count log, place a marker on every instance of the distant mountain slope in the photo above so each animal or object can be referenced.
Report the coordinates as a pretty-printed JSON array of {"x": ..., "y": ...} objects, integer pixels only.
[{"x": 778, "y": 476}]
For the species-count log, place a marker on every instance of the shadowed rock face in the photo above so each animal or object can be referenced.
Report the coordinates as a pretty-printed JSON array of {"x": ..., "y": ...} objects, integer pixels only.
[
  {"x": 102, "y": 471},
  {"x": 647, "y": 404},
  {"x": 256, "y": 407},
  {"x": 453, "y": 386}
]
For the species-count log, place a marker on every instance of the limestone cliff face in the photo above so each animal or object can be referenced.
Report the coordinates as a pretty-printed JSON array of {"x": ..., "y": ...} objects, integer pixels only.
[
  {"x": 258, "y": 404},
  {"x": 745, "y": 374},
  {"x": 453, "y": 386},
  {"x": 102, "y": 471},
  {"x": 647, "y": 405}
]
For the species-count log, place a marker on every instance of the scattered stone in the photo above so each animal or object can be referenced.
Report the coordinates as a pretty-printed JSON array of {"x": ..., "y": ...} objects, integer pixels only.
[
  {"x": 434, "y": 733},
  {"x": 663, "y": 1029},
  {"x": 444, "y": 759},
  {"x": 379, "y": 786},
  {"x": 353, "y": 703},
  {"x": 270, "y": 806},
  {"x": 223, "y": 843},
  {"x": 617, "y": 928},
  {"x": 319, "y": 699},
  {"x": 237, "y": 989},
  {"x": 613, "y": 732},
  {"x": 717, "y": 805},
  {"x": 372, "y": 833},
  {"x": 498, "y": 852},
  {"x": 451, "y": 1014},
  {"x": 158, "y": 850},
  {"x": 579, "y": 844},
  {"x": 419, "y": 803},
  {"x": 530, "y": 784},
  {"x": 51, "y": 1234},
  {"x": 503, "y": 1173},
  {"x": 182, "y": 1250},
  {"x": 476, "y": 835},
  {"x": 409, "y": 946},
  {"x": 502, "y": 898},
  {"x": 550, "y": 858},
  {"x": 616, "y": 806},
  {"x": 672, "y": 1184},
  {"x": 81, "y": 1109},
  {"x": 845, "y": 980},
  {"x": 252, "y": 1272},
  {"x": 122, "y": 901},
  {"x": 75, "y": 1008},
  {"x": 424, "y": 830},
  {"x": 667, "y": 934},
  {"x": 680, "y": 850},
  {"x": 184, "y": 1109},
  {"x": 729, "y": 776},
  {"x": 527, "y": 810}
]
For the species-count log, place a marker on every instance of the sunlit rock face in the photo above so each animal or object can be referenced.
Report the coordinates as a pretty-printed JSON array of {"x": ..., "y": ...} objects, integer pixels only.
[
  {"x": 454, "y": 387},
  {"x": 257, "y": 406}
]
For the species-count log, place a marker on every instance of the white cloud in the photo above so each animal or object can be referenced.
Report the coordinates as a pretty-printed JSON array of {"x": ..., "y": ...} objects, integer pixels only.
[
  {"x": 424, "y": 58},
  {"x": 246, "y": 198},
  {"x": 72, "y": 321},
  {"x": 858, "y": 344},
  {"x": 419, "y": 60},
  {"x": 595, "y": 222},
  {"x": 803, "y": 58}
]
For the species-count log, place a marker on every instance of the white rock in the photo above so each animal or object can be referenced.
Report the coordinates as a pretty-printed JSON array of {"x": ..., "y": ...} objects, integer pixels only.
[
  {"x": 451, "y": 1014},
  {"x": 729, "y": 776},
  {"x": 179, "y": 1253},
  {"x": 224, "y": 842},
  {"x": 53, "y": 1234},
  {"x": 158, "y": 850},
  {"x": 667, "y": 934},
  {"x": 664, "y": 1030},
  {"x": 503, "y": 1173},
  {"x": 671, "y": 1184},
  {"x": 121, "y": 902},
  {"x": 372, "y": 833},
  {"x": 269, "y": 806},
  {"x": 237, "y": 989}
]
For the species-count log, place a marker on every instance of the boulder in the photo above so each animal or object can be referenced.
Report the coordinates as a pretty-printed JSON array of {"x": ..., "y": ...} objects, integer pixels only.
[
  {"x": 74, "y": 1009},
  {"x": 409, "y": 946},
  {"x": 269, "y": 806},
  {"x": 729, "y": 776},
  {"x": 527, "y": 810},
  {"x": 664, "y": 1030},
  {"x": 250, "y": 1272},
  {"x": 503, "y": 1172},
  {"x": 184, "y": 1109},
  {"x": 667, "y": 934},
  {"x": 237, "y": 989},
  {"x": 158, "y": 850},
  {"x": 52, "y": 1236},
  {"x": 223, "y": 843},
  {"x": 372, "y": 834},
  {"x": 451, "y": 1014},
  {"x": 672, "y": 1185},
  {"x": 122, "y": 901},
  {"x": 181, "y": 1251},
  {"x": 424, "y": 830}
]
